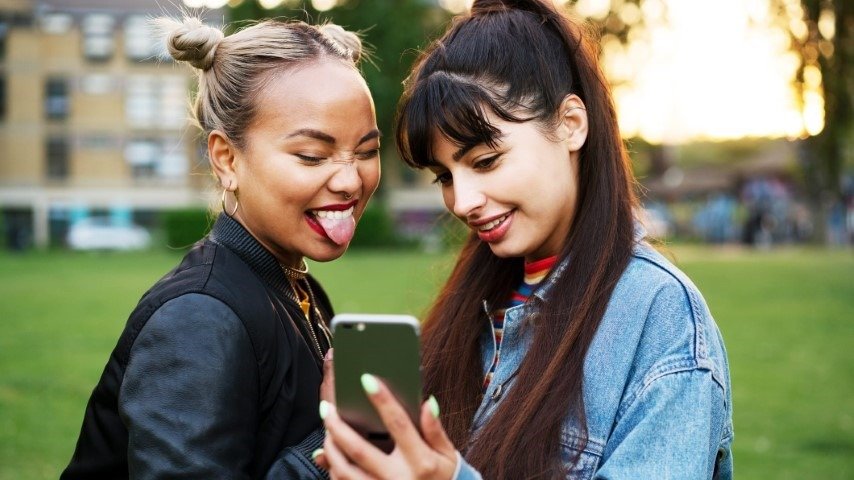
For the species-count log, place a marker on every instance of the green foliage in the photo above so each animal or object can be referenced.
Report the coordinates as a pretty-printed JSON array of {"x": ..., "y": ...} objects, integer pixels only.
[
  {"x": 376, "y": 229},
  {"x": 185, "y": 227}
]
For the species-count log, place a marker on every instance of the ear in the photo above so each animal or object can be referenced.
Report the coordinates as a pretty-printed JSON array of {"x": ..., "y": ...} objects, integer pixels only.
[
  {"x": 223, "y": 157},
  {"x": 573, "y": 116}
]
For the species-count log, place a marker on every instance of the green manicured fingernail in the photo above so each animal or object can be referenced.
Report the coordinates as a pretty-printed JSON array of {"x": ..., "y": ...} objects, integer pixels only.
[
  {"x": 370, "y": 384},
  {"x": 316, "y": 453},
  {"x": 434, "y": 406},
  {"x": 324, "y": 409}
]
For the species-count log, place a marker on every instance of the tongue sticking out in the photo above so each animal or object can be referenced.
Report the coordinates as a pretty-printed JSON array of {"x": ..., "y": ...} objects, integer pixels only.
[{"x": 339, "y": 230}]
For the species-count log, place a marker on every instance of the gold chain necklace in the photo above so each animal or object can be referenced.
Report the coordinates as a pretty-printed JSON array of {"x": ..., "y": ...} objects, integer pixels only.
[
  {"x": 309, "y": 324},
  {"x": 295, "y": 273}
]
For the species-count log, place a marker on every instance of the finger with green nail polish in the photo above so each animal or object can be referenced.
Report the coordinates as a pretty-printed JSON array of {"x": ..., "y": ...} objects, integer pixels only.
[
  {"x": 433, "y": 404},
  {"x": 323, "y": 409},
  {"x": 316, "y": 453},
  {"x": 370, "y": 383}
]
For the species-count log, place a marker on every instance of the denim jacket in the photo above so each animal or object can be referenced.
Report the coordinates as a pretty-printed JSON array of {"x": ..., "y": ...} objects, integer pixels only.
[{"x": 656, "y": 381}]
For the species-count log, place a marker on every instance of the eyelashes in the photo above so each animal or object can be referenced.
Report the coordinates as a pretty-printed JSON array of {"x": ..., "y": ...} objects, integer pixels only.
[
  {"x": 482, "y": 165},
  {"x": 316, "y": 160},
  {"x": 486, "y": 163},
  {"x": 443, "y": 178}
]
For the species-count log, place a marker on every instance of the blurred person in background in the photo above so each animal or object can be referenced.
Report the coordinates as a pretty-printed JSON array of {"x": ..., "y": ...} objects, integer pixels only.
[
  {"x": 562, "y": 344},
  {"x": 217, "y": 373}
]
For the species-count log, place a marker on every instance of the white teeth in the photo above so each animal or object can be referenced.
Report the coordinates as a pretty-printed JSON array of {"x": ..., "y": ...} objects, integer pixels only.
[
  {"x": 492, "y": 224},
  {"x": 333, "y": 214}
]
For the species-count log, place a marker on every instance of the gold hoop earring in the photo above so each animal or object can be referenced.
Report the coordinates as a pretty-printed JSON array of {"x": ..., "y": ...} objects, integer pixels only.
[{"x": 236, "y": 201}]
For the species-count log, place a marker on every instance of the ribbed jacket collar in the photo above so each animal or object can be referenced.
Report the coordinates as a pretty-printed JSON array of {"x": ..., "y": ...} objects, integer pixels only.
[{"x": 231, "y": 234}]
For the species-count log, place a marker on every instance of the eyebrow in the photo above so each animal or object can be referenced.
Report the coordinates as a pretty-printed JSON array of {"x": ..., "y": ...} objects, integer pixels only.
[
  {"x": 316, "y": 134},
  {"x": 326, "y": 138},
  {"x": 370, "y": 136},
  {"x": 462, "y": 151},
  {"x": 467, "y": 148}
]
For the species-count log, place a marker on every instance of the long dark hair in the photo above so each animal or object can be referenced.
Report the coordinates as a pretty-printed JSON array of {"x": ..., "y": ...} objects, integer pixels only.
[{"x": 520, "y": 59}]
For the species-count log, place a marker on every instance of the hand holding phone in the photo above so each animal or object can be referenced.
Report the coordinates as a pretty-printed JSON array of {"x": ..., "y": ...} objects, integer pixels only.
[{"x": 387, "y": 347}]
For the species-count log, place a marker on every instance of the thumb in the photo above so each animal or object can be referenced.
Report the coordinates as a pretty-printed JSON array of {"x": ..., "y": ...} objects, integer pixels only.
[{"x": 434, "y": 433}]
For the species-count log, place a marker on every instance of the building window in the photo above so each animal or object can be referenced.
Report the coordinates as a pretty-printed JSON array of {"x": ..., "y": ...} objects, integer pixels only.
[
  {"x": 141, "y": 42},
  {"x": 156, "y": 102},
  {"x": 56, "y": 98},
  {"x": 56, "y": 23},
  {"x": 173, "y": 162},
  {"x": 20, "y": 19},
  {"x": 57, "y": 158},
  {"x": 142, "y": 155},
  {"x": 98, "y": 42},
  {"x": 98, "y": 84},
  {"x": 4, "y": 31},
  {"x": 163, "y": 158}
]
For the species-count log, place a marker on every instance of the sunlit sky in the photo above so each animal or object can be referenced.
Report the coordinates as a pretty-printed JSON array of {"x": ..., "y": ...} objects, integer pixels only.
[
  {"x": 709, "y": 72},
  {"x": 700, "y": 69}
]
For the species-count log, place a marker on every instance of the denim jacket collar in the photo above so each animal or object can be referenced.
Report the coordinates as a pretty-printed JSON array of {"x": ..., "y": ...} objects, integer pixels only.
[{"x": 543, "y": 290}]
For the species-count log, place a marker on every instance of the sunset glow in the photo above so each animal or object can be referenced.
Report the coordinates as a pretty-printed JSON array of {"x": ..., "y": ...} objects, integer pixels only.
[{"x": 705, "y": 70}]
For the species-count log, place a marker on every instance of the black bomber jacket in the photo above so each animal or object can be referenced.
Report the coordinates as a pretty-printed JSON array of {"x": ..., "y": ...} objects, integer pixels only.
[{"x": 214, "y": 376}]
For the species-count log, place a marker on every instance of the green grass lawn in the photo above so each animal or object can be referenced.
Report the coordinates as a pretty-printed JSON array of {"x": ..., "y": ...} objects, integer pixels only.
[{"x": 787, "y": 319}]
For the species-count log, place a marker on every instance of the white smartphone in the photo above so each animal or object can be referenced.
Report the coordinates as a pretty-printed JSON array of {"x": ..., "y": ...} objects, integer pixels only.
[{"x": 387, "y": 347}]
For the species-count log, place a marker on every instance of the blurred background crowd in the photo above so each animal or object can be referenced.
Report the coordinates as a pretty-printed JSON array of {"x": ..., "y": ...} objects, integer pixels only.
[{"x": 737, "y": 114}]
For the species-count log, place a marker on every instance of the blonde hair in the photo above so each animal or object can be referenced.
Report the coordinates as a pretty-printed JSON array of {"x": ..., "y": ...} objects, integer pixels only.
[{"x": 233, "y": 69}]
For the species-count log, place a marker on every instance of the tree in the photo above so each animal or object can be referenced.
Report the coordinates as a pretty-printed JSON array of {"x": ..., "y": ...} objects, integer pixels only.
[{"x": 820, "y": 33}]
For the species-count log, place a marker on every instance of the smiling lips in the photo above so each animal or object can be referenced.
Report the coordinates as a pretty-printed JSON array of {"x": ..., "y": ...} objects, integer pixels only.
[
  {"x": 335, "y": 222},
  {"x": 495, "y": 229}
]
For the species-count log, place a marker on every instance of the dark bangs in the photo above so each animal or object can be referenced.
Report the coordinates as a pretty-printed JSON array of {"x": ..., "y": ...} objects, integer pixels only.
[{"x": 453, "y": 107}]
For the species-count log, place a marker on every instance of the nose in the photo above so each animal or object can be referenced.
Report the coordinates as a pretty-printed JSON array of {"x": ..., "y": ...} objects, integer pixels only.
[
  {"x": 468, "y": 196},
  {"x": 346, "y": 179}
]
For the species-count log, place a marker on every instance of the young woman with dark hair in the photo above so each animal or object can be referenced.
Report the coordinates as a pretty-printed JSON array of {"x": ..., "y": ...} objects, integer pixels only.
[{"x": 562, "y": 345}]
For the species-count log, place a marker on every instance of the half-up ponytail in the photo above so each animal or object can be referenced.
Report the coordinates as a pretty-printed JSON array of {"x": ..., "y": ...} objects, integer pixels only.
[{"x": 520, "y": 59}]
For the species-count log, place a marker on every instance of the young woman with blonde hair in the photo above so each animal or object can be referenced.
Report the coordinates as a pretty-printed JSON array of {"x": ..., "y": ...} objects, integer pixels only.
[
  {"x": 217, "y": 373},
  {"x": 562, "y": 345}
]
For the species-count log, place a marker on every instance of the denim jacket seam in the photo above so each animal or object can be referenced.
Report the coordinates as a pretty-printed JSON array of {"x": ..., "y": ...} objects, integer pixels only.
[
  {"x": 700, "y": 344},
  {"x": 661, "y": 372},
  {"x": 570, "y": 440},
  {"x": 670, "y": 367}
]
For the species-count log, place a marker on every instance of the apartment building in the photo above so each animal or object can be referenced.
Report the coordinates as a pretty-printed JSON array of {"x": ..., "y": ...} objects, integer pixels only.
[{"x": 93, "y": 118}]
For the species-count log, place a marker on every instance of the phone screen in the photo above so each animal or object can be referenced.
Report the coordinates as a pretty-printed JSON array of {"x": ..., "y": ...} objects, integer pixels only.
[{"x": 385, "y": 346}]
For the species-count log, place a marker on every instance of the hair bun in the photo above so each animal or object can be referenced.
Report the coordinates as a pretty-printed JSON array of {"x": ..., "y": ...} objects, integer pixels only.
[
  {"x": 191, "y": 41},
  {"x": 348, "y": 41}
]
